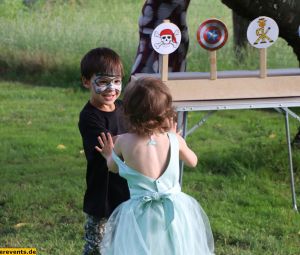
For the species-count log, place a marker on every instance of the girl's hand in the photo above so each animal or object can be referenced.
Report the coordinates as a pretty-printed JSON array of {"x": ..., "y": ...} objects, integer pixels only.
[
  {"x": 106, "y": 145},
  {"x": 173, "y": 127}
]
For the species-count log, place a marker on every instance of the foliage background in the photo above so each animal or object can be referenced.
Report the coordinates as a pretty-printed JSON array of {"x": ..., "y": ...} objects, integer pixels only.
[{"x": 43, "y": 42}]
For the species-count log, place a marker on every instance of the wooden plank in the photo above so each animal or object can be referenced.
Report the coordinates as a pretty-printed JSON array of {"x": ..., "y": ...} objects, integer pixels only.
[
  {"x": 257, "y": 103},
  {"x": 234, "y": 88},
  {"x": 224, "y": 74}
]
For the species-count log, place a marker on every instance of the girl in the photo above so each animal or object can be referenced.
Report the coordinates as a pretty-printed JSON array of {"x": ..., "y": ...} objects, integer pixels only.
[{"x": 158, "y": 218}]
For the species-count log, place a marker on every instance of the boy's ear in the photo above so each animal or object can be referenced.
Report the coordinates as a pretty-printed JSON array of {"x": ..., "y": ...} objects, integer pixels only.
[{"x": 85, "y": 82}]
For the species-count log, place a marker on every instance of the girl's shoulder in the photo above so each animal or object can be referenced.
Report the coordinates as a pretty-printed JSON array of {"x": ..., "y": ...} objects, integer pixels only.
[
  {"x": 125, "y": 138},
  {"x": 124, "y": 143}
]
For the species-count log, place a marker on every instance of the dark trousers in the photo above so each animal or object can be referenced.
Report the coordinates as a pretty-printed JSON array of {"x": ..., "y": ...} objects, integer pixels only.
[{"x": 94, "y": 232}]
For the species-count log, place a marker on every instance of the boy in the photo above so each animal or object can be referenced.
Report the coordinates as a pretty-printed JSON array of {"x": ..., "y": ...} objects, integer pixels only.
[{"x": 101, "y": 72}]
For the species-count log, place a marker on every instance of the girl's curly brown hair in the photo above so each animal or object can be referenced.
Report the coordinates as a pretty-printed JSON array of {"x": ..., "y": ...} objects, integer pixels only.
[{"x": 148, "y": 106}]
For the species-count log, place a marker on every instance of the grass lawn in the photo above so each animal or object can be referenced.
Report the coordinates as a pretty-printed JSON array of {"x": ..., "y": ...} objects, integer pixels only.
[{"x": 241, "y": 181}]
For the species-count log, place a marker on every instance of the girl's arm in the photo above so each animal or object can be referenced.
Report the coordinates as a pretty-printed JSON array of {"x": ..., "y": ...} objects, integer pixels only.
[
  {"x": 107, "y": 146},
  {"x": 186, "y": 154}
]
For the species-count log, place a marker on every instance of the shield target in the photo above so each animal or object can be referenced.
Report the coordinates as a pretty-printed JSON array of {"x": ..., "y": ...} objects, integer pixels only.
[{"x": 212, "y": 34}]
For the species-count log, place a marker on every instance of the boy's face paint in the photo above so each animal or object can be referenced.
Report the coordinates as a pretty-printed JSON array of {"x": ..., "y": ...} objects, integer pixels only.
[{"x": 102, "y": 83}]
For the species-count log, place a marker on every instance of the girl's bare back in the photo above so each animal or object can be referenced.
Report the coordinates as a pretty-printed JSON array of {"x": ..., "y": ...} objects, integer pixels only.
[{"x": 150, "y": 159}]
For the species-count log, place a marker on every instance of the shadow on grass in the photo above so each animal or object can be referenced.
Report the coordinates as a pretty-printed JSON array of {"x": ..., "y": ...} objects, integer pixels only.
[
  {"x": 37, "y": 74},
  {"x": 232, "y": 241},
  {"x": 41, "y": 73},
  {"x": 253, "y": 156}
]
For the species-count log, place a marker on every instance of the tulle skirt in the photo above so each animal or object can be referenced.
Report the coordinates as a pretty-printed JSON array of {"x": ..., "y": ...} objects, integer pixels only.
[{"x": 137, "y": 228}]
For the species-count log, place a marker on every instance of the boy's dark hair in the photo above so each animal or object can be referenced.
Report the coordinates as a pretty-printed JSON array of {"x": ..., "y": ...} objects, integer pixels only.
[
  {"x": 148, "y": 106},
  {"x": 103, "y": 61}
]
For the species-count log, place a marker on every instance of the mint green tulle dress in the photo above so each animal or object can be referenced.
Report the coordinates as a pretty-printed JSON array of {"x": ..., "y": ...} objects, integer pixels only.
[{"x": 158, "y": 219}]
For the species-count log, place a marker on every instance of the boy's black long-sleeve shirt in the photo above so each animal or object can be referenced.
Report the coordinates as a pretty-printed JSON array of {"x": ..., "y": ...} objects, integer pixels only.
[{"x": 105, "y": 190}]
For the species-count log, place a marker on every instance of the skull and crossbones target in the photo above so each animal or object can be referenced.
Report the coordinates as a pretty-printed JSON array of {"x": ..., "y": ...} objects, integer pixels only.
[{"x": 166, "y": 38}]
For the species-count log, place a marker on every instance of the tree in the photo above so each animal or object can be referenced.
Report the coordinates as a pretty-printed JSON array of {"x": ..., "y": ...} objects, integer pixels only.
[
  {"x": 286, "y": 13},
  {"x": 240, "y": 25},
  {"x": 153, "y": 14}
]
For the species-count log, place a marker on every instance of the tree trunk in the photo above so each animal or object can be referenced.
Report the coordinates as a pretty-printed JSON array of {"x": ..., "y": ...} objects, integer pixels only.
[
  {"x": 240, "y": 25},
  {"x": 286, "y": 13},
  {"x": 153, "y": 14}
]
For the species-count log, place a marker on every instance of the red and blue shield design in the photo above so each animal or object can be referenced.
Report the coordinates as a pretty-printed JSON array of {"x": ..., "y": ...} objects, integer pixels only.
[{"x": 212, "y": 34}]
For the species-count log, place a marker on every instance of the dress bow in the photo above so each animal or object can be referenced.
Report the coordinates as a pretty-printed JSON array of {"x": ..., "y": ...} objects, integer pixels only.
[{"x": 165, "y": 199}]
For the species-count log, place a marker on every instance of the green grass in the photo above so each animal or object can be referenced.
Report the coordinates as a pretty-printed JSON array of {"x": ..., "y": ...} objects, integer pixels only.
[
  {"x": 42, "y": 186},
  {"x": 43, "y": 45},
  {"x": 242, "y": 179}
]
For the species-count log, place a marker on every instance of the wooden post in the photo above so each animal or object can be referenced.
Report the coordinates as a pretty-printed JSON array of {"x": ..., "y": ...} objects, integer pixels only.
[
  {"x": 164, "y": 63},
  {"x": 263, "y": 62},
  {"x": 213, "y": 64},
  {"x": 164, "y": 66}
]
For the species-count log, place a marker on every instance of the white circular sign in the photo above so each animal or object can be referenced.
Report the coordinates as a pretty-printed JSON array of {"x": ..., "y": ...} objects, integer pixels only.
[
  {"x": 166, "y": 38},
  {"x": 262, "y": 32}
]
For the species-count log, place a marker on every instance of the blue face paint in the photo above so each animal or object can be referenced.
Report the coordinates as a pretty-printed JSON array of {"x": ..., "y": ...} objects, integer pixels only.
[{"x": 102, "y": 83}]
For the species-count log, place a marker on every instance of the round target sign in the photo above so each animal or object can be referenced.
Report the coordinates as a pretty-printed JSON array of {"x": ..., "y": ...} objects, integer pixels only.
[
  {"x": 262, "y": 32},
  {"x": 212, "y": 34},
  {"x": 166, "y": 38}
]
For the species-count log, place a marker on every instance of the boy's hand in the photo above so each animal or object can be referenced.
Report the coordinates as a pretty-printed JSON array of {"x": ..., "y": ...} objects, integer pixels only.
[{"x": 106, "y": 144}]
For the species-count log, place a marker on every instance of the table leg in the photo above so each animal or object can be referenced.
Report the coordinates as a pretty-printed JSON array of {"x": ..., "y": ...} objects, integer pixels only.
[
  {"x": 182, "y": 125},
  {"x": 288, "y": 139}
]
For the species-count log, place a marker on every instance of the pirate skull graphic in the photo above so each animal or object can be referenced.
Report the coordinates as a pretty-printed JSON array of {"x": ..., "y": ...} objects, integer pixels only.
[{"x": 166, "y": 38}]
